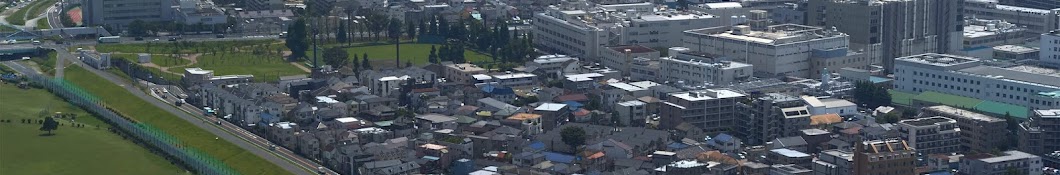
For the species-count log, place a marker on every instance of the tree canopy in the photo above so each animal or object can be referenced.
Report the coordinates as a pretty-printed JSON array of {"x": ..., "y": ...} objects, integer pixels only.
[
  {"x": 870, "y": 95},
  {"x": 49, "y": 125},
  {"x": 336, "y": 57},
  {"x": 296, "y": 39},
  {"x": 573, "y": 136}
]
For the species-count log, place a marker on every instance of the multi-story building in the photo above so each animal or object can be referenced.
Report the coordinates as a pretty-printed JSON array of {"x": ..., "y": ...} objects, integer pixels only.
[
  {"x": 199, "y": 12},
  {"x": 1040, "y": 134},
  {"x": 1049, "y": 53},
  {"x": 264, "y": 4},
  {"x": 880, "y": 157},
  {"x": 763, "y": 118},
  {"x": 834, "y": 162},
  {"x": 388, "y": 82},
  {"x": 552, "y": 66},
  {"x": 1045, "y": 4},
  {"x": 195, "y": 76},
  {"x": 118, "y": 13},
  {"x": 892, "y": 29},
  {"x": 1015, "y": 52},
  {"x": 979, "y": 133},
  {"x": 1037, "y": 19},
  {"x": 932, "y": 135},
  {"x": 981, "y": 35},
  {"x": 781, "y": 50},
  {"x": 700, "y": 68},
  {"x": 621, "y": 57},
  {"x": 1008, "y": 162},
  {"x": 966, "y": 76},
  {"x": 581, "y": 31},
  {"x": 462, "y": 72},
  {"x": 713, "y": 110}
]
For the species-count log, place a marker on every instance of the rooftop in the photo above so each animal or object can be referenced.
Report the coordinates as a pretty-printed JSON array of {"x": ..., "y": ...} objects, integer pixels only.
[
  {"x": 776, "y": 34},
  {"x": 545, "y": 59},
  {"x": 1015, "y": 48},
  {"x": 1049, "y": 113},
  {"x": 927, "y": 121},
  {"x": 514, "y": 75},
  {"x": 632, "y": 49},
  {"x": 466, "y": 67},
  {"x": 884, "y": 146},
  {"x": 1008, "y": 156},
  {"x": 962, "y": 113},
  {"x": 1019, "y": 73},
  {"x": 524, "y": 116},
  {"x": 196, "y": 70},
  {"x": 707, "y": 94},
  {"x": 789, "y": 153},
  {"x": 550, "y": 107},
  {"x": 938, "y": 59}
]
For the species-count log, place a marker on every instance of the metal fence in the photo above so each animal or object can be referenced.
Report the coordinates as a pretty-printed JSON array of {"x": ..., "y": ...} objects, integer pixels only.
[{"x": 194, "y": 159}]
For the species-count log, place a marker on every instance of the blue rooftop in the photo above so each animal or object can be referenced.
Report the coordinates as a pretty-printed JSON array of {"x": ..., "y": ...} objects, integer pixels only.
[
  {"x": 677, "y": 145},
  {"x": 538, "y": 145},
  {"x": 573, "y": 105},
  {"x": 497, "y": 90},
  {"x": 558, "y": 157}
]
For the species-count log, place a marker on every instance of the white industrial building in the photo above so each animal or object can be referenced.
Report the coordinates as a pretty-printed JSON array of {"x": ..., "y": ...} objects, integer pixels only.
[
  {"x": 981, "y": 35},
  {"x": 580, "y": 30},
  {"x": 966, "y": 76},
  {"x": 1034, "y": 19},
  {"x": 699, "y": 68},
  {"x": 780, "y": 50}
]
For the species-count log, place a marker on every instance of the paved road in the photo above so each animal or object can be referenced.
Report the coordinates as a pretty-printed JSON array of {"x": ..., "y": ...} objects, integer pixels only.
[
  {"x": 232, "y": 138},
  {"x": 161, "y": 95}
]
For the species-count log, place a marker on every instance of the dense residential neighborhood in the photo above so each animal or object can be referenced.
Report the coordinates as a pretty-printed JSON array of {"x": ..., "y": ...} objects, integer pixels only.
[{"x": 598, "y": 87}]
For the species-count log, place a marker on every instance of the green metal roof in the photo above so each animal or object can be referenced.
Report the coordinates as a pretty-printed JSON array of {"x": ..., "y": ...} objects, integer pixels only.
[
  {"x": 901, "y": 98},
  {"x": 1053, "y": 94},
  {"x": 1000, "y": 109},
  {"x": 946, "y": 99}
]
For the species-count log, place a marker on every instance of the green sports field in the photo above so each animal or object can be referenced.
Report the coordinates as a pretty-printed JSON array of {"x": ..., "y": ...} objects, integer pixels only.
[{"x": 71, "y": 150}]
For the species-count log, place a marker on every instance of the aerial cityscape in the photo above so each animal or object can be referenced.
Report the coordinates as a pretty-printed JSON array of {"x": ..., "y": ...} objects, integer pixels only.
[{"x": 530, "y": 87}]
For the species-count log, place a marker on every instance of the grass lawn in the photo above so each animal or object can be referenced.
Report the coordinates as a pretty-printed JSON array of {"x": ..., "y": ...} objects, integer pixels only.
[
  {"x": 4, "y": 28},
  {"x": 43, "y": 24},
  {"x": 33, "y": 9},
  {"x": 71, "y": 150},
  {"x": 126, "y": 103},
  {"x": 45, "y": 62},
  {"x": 167, "y": 47},
  {"x": 264, "y": 68},
  {"x": 417, "y": 53}
]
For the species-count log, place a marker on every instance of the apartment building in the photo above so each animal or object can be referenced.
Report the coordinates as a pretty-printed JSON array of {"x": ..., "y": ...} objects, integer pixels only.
[
  {"x": 880, "y": 157},
  {"x": 763, "y": 117},
  {"x": 713, "y": 110},
  {"x": 462, "y": 72},
  {"x": 932, "y": 135},
  {"x": 621, "y": 57},
  {"x": 1040, "y": 134},
  {"x": 780, "y": 50},
  {"x": 889, "y": 29},
  {"x": 966, "y": 76},
  {"x": 979, "y": 133},
  {"x": 1008, "y": 162}
]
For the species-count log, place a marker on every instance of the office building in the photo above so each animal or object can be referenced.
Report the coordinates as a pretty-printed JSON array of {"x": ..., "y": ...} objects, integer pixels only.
[
  {"x": 199, "y": 12},
  {"x": 892, "y": 28},
  {"x": 981, "y": 35},
  {"x": 1045, "y": 4},
  {"x": 196, "y": 76},
  {"x": 968, "y": 77},
  {"x": 1008, "y": 162},
  {"x": 1049, "y": 50},
  {"x": 932, "y": 135},
  {"x": 780, "y": 50},
  {"x": 879, "y": 157},
  {"x": 621, "y": 57},
  {"x": 1040, "y": 134},
  {"x": 713, "y": 110},
  {"x": 1037, "y": 19},
  {"x": 979, "y": 133},
  {"x": 580, "y": 31},
  {"x": 700, "y": 68},
  {"x": 118, "y": 13}
]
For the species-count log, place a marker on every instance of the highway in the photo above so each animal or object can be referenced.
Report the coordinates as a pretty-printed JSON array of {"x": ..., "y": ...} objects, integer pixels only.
[{"x": 249, "y": 142}]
